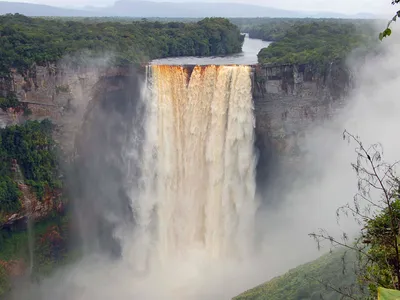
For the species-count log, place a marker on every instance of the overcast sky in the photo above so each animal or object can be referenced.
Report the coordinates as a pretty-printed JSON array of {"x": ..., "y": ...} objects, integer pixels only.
[{"x": 344, "y": 6}]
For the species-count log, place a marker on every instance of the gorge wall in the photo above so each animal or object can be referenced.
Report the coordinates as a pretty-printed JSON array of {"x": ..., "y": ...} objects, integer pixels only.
[
  {"x": 288, "y": 99},
  {"x": 58, "y": 92}
]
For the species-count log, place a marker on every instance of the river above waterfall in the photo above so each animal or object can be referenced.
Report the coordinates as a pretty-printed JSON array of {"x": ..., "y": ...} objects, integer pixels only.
[{"x": 251, "y": 47}]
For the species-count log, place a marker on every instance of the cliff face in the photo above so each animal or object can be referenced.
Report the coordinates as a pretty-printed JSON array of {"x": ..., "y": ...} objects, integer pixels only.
[
  {"x": 288, "y": 100},
  {"x": 58, "y": 92}
]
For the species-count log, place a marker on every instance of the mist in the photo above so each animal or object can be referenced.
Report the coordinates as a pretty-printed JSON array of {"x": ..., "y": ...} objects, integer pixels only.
[
  {"x": 328, "y": 181},
  {"x": 307, "y": 203}
]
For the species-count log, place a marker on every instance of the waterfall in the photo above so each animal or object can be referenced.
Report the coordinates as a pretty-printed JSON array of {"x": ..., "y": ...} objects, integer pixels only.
[
  {"x": 197, "y": 186},
  {"x": 188, "y": 170}
]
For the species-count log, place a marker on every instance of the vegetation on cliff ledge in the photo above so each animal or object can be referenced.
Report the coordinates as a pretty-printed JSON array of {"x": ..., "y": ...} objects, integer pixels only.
[
  {"x": 26, "y": 41},
  {"x": 30, "y": 148},
  {"x": 10, "y": 100}
]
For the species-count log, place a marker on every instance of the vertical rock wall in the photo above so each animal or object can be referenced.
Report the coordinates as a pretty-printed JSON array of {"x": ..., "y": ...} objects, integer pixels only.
[
  {"x": 58, "y": 92},
  {"x": 288, "y": 100}
]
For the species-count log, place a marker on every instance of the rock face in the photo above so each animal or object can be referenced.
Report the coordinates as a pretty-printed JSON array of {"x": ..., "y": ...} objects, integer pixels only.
[
  {"x": 99, "y": 175},
  {"x": 58, "y": 92},
  {"x": 289, "y": 99},
  {"x": 62, "y": 94}
]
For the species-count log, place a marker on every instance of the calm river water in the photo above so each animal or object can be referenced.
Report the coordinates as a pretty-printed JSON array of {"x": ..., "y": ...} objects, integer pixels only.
[{"x": 251, "y": 47}]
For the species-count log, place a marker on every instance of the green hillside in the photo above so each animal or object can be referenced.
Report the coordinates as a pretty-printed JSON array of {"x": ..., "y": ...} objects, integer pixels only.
[{"x": 308, "y": 281}]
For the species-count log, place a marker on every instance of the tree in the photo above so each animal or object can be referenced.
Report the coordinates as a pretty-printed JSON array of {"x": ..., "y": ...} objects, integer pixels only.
[
  {"x": 376, "y": 207},
  {"x": 387, "y": 32}
]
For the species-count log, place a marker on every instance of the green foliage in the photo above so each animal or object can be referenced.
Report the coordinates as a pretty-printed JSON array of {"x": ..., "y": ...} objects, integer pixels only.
[
  {"x": 9, "y": 195},
  {"x": 9, "y": 101},
  {"x": 387, "y": 32},
  {"x": 317, "y": 43},
  {"x": 33, "y": 148},
  {"x": 26, "y": 41},
  {"x": 382, "y": 255},
  {"x": 306, "y": 282}
]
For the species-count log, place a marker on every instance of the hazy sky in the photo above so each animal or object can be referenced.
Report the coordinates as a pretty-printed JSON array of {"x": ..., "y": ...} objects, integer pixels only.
[{"x": 344, "y": 6}]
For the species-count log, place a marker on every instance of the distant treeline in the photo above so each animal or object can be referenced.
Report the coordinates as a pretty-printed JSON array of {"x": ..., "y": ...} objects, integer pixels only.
[
  {"x": 25, "y": 41},
  {"x": 274, "y": 29}
]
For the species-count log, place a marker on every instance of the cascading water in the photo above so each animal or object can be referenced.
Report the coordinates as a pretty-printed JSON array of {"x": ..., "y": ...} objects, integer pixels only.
[{"x": 197, "y": 189}]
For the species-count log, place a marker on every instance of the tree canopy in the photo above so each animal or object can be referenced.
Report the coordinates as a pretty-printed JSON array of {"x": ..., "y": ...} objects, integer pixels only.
[
  {"x": 25, "y": 41},
  {"x": 316, "y": 42}
]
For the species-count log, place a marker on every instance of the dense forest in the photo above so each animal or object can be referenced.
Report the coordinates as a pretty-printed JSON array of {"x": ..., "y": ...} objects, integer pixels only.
[
  {"x": 317, "y": 43},
  {"x": 26, "y": 41}
]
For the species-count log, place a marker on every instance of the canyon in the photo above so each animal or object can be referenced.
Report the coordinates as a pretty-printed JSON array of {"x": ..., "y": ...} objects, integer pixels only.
[
  {"x": 99, "y": 120},
  {"x": 287, "y": 98}
]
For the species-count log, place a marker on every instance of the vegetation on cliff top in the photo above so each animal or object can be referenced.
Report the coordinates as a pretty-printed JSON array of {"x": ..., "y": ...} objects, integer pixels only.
[
  {"x": 26, "y": 41},
  {"x": 33, "y": 149},
  {"x": 317, "y": 42}
]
